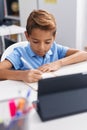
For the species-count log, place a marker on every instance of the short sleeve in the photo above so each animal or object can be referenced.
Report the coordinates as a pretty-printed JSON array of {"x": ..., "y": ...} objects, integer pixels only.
[
  {"x": 14, "y": 58},
  {"x": 62, "y": 50}
]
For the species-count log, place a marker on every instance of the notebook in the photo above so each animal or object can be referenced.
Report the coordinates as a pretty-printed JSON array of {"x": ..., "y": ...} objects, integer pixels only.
[{"x": 66, "y": 70}]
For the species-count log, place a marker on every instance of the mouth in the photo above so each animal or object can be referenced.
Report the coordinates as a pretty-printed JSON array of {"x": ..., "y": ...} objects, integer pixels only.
[{"x": 41, "y": 53}]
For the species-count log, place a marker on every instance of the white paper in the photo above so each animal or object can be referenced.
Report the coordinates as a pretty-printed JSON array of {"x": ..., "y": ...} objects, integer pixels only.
[{"x": 66, "y": 70}]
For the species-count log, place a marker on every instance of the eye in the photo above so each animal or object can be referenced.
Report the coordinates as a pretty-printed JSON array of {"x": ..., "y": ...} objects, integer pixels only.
[
  {"x": 48, "y": 42},
  {"x": 35, "y": 42}
]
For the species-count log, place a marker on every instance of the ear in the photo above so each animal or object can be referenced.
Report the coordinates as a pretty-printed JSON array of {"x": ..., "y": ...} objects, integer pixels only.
[
  {"x": 54, "y": 37},
  {"x": 27, "y": 36}
]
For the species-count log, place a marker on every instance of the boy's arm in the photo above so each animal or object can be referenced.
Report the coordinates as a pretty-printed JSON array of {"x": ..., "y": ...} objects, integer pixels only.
[
  {"x": 20, "y": 75},
  {"x": 10, "y": 74},
  {"x": 23, "y": 75},
  {"x": 5, "y": 64},
  {"x": 72, "y": 56}
]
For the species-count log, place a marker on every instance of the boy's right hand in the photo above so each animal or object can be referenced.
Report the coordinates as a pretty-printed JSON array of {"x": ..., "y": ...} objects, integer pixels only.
[{"x": 32, "y": 75}]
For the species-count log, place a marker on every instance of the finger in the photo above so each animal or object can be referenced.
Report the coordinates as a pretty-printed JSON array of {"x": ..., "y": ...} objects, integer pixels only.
[
  {"x": 46, "y": 70},
  {"x": 37, "y": 72},
  {"x": 37, "y": 77},
  {"x": 34, "y": 79},
  {"x": 44, "y": 66}
]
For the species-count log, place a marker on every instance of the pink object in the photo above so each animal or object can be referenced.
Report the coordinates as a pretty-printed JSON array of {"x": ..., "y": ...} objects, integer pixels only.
[{"x": 12, "y": 108}]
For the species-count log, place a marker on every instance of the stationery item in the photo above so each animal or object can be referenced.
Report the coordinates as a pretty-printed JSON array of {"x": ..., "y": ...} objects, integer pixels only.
[
  {"x": 27, "y": 65},
  {"x": 14, "y": 118},
  {"x": 25, "y": 93},
  {"x": 21, "y": 104},
  {"x": 30, "y": 108},
  {"x": 66, "y": 70},
  {"x": 33, "y": 86},
  {"x": 12, "y": 108}
]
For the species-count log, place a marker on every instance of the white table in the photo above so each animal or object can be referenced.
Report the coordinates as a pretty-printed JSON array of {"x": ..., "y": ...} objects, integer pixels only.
[
  {"x": 9, "y": 30},
  {"x": 74, "y": 122}
]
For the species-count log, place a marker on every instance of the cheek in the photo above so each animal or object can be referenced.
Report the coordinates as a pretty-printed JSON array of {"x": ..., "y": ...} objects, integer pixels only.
[
  {"x": 34, "y": 47},
  {"x": 47, "y": 47}
]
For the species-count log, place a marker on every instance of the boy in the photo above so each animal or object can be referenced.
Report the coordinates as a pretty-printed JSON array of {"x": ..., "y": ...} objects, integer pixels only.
[{"x": 42, "y": 52}]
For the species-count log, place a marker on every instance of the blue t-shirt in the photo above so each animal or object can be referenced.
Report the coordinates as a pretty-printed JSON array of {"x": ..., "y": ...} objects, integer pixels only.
[{"x": 56, "y": 52}]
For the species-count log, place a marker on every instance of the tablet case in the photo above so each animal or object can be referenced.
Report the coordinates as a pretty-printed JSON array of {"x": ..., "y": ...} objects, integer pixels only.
[{"x": 62, "y": 96}]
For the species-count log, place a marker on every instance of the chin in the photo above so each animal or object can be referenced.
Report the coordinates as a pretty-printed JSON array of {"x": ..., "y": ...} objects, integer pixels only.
[{"x": 40, "y": 54}]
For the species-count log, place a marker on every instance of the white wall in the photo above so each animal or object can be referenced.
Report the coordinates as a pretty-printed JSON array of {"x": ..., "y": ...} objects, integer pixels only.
[
  {"x": 84, "y": 42},
  {"x": 81, "y": 23},
  {"x": 26, "y": 6}
]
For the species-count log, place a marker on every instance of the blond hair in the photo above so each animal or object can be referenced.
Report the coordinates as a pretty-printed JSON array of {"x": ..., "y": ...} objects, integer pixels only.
[{"x": 41, "y": 19}]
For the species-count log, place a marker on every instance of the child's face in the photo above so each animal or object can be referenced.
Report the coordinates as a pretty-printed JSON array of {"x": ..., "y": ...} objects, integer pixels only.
[{"x": 40, "y": 41}]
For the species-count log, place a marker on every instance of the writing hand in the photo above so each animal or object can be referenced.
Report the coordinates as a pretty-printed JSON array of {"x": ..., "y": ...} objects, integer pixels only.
[{"x": 32, "y": 75}]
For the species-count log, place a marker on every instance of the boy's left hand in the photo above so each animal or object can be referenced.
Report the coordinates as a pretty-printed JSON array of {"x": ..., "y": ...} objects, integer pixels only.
[{"x": 50, "y": 67}]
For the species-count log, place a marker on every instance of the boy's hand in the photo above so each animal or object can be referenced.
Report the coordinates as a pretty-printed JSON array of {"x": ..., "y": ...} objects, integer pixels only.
[
  {"x": 50, "y": 67},
  {"x": 32, "y": 76}
]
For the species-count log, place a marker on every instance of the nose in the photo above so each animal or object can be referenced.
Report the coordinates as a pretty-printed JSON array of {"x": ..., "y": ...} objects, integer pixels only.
[{"x": 41, "y": 46}]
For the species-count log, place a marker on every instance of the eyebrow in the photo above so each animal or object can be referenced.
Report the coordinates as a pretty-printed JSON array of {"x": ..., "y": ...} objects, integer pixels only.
[{"x": 39, "y": 40}]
